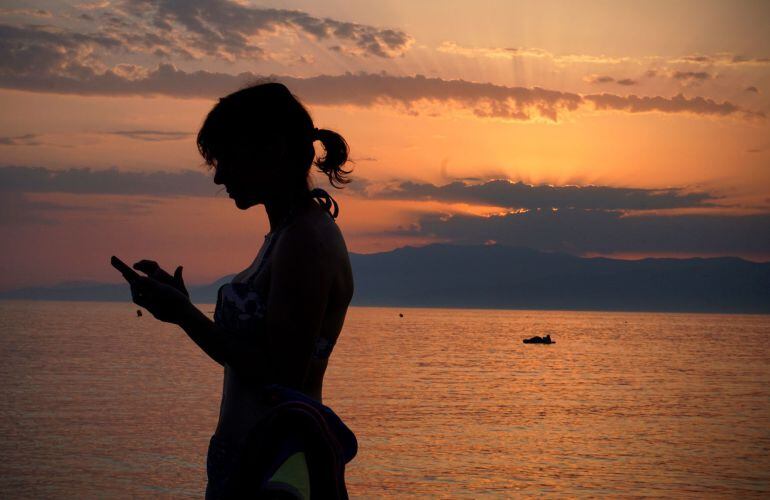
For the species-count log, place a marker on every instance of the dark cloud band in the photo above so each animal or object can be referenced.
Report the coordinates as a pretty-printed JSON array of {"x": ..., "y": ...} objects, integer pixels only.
[
  {"x": 589, "y": 219},
  {"x": 151, "y": 135},
  {"x": 365, "y": 90},
  {"x": 514, "y": 195},
  {"x": 606, "y": 232},
  {"x": 17, "y": 179}
]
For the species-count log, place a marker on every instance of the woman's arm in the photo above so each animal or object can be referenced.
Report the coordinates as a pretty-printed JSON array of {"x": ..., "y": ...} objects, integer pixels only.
[
  {"x": 205, "y": 333},
  {"x": 244, "y": 353}
]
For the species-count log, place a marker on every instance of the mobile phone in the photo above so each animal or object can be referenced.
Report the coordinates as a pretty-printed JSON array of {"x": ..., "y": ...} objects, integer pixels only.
[{"x": 126, "y": 271}]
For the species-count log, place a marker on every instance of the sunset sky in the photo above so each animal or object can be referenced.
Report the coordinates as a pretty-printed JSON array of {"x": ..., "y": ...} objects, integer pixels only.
[{"x": 613, "y": 128}]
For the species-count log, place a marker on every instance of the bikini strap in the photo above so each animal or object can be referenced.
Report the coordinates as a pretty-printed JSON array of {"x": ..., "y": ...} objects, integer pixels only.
[{"x": 327, "y": 202}]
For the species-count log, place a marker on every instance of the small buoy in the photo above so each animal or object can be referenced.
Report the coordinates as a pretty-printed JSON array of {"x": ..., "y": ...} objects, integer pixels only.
[{"x": 138, "y": 312}]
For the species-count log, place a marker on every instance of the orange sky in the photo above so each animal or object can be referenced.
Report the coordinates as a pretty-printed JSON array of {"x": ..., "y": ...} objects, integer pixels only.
[{"x": 615, "y": 95}]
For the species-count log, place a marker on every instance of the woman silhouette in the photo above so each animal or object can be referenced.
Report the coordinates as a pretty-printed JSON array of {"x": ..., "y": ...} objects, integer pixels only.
[{"x": 277, "y": 321}]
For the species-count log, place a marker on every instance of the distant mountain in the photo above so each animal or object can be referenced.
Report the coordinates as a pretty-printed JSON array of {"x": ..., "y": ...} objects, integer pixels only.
[
  {"x": 496, "y": 276},
  {"x": 104, "y": 292}
]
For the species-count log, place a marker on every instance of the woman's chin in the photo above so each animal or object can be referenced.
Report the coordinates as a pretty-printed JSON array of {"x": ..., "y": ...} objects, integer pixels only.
[{"x": 243, "y": 204}]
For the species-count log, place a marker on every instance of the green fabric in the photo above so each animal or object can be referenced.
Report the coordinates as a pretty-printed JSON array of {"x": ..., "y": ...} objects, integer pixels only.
[{"x": 294, "y": 472}]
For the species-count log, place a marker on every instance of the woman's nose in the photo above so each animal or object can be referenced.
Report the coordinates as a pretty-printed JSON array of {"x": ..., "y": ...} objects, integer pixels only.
[{"x": 218, "y": 176}]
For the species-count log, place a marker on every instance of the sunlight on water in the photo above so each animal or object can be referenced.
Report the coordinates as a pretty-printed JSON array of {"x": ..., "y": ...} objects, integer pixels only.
[{"x": 99, "y": 403}]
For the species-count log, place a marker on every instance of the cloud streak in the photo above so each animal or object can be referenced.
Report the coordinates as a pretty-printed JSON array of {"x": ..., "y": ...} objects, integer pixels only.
[
  {"x": 722, "y": 59},
  {"x": 691, "y": 76},
  {"x": 449, "y": 47},
  {"x": 407, "y": 93},
  {"x": 21, "y": 140},
  {"x": 20, "y": 209},
  {"x": 151, "y": 135},
  {"x": 518, "y": 195},
  {"x": 18, "y": 179},
  {"x": 497, "y": 193},
  {"x": 717, "y": 59},
  {"x": 24, "y": 12},
  {"x": 602, "y": 79}
]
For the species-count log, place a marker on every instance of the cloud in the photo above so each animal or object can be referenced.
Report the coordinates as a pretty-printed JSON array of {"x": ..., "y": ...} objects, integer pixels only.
[
  {"x": 698, "y": 76},
  {"x": 407, "y": 93},
  {"x": 21, "y": 140},
  {"x": 190, "y": 30},
  {"x": 17, "y": 209},
  {"x": 46, "y": 58},
  {"x": 518, "y": 195},
  {"x": 579, "y": 219},
  {"x": 605, "y": 232},
  {"x": 722, "y": 59},
  {"x": 24, "y": 12},
  {"x": 30, "y": 140},
  {"x": 39, "y": 52},
  {"x": 21, "y": 209},
  {"x": 760, "y": 148},
  {"x": 18, "y": 179},
  {"x": 96, "y": 4},
  {"x": 717, "y": 59},
  {"x": 677, "y": 104},
  {"x": 151, "y": 135},
  {"x": 600, "y": 79},
  {"x": 223, "y": 29},
  {"x": 449, "y": 47}
]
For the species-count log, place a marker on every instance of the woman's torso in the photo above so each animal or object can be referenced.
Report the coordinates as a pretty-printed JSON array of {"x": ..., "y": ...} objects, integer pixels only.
[{"x": 240, "y": 407}]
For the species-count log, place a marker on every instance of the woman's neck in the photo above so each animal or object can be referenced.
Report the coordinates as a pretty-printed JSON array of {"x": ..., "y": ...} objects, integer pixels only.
[{"x": 279, "y": 210}]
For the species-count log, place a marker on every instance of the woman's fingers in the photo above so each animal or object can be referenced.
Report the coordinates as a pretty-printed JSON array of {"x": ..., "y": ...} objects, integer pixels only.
[
  {"x": 179, "y": 281},
  {"x": 153, "y": 270},
  {"x": 129, "y": 274},
  {"x": 146, "y": 266}
]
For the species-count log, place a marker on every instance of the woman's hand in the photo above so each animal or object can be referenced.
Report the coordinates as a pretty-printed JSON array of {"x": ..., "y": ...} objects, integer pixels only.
[
  {"x": 153, "y": 270},
  {"x": 164, "y": 300}
]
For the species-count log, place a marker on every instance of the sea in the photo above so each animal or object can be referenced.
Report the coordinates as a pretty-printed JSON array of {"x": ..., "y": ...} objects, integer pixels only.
[{"x": 97, "y": 402}]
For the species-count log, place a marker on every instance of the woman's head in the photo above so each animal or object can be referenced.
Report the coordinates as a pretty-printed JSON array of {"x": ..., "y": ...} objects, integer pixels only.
[{"x": 259, "y": 140}]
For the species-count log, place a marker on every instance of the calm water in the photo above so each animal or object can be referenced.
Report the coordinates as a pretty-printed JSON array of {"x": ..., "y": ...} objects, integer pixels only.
[{"x": 447, "y": 403}]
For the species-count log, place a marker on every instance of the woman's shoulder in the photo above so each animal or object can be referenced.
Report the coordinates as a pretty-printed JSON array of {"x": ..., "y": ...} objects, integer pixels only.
[
  {"x": 312, "y": 235},
  {"x": 315, "y": 222}
]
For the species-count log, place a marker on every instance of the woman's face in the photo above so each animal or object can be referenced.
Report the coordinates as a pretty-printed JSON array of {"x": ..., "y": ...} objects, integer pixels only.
[{"x": 246, "y": 175}]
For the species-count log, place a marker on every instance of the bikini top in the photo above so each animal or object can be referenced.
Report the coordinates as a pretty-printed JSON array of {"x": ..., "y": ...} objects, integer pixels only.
[{"x": 240, "y": 307}]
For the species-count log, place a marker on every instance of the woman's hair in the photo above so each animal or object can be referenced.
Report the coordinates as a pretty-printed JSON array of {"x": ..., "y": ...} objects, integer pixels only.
[{"x": 257, "y": 115}]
